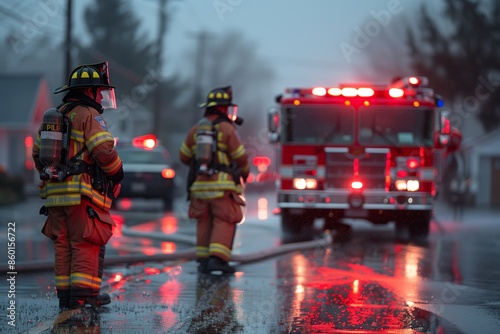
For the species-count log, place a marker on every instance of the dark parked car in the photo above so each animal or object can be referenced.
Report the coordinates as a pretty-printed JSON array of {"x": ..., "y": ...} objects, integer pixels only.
[{"x": 148, "y": 170}]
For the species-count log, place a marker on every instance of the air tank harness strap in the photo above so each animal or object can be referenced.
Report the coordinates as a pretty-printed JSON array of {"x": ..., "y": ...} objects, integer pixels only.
[
  {"x": 233, "y": 169},
  {"x": 98, "y": 179}
]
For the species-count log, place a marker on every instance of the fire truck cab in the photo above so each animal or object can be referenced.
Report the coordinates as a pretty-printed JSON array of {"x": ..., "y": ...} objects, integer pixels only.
[{"x": 365, "y": 151}]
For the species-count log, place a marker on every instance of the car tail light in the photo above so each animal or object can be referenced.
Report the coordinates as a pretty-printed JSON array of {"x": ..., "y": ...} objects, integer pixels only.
[
  {"x": 168, "y": 173},
  {"x": 147, "y": 141}
]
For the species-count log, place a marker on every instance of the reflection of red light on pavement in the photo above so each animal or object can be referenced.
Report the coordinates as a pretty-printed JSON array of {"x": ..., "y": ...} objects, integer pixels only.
[
  {"x": 151, "y": 271},
  {"x": 29, "y": 165},
  {"x": 117, "y": 229},
  {"x": 146, "y": 242},
  {"x": 262, "y": 208},
  {"x": 118, "y": 277},
  {"x": 169, "y": 224},
  {"x": 167, "y": 247},
  {"x": 149, "y": 250},
  {"x": 355, "y": 286},
  {"x": 169, "y": 292},
  {"x": 169, "y": 295}
]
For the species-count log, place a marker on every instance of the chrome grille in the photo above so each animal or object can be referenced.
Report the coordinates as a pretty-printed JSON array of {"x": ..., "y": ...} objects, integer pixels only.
[{"x": 340, "y": 168}]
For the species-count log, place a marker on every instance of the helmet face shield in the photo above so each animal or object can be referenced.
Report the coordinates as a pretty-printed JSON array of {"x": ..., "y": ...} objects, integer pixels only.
[
  {"x": 232, "y": 112},
  {"x": 108, "y": 100}
]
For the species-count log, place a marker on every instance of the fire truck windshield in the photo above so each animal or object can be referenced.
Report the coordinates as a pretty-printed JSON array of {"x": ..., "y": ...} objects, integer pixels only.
[
  {"x": 396, "y": 126},
  {"x": 321, "y": 124}
]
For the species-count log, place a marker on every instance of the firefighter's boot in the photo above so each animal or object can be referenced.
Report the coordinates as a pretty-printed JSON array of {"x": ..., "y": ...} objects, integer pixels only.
[
  {"x": 202, "y": 266},
  {"x": 103, "y": 299},
  {"x": 64, "y": 297},
  {"x": 216, "y": 264},
  {"x": 94, "y": 301}
]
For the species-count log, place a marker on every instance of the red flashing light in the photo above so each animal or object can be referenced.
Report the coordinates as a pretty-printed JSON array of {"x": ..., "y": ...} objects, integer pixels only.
[
  {"x": 414, "y": 80},
  {"x": 349, "y": 92},
  {"x": 334, "y": 91},
  {"x": 412, "y": 163},
  {"x": 147, "y": 142},
  {"x": 319, "y": 91},
  {"x": 357, "y": 185},
  {"x": 396, "y": 92},
  {"x": 365, "y": 92},
  {"x": 261, "y": 161},
  {"x": 401, "y": 174},
  {"x": 28, "y": 142}
]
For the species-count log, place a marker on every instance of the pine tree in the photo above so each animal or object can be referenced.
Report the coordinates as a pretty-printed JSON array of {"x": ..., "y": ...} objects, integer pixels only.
[
  {"x": 463, "y": 61},
  {"x": 114, "y": 35}
]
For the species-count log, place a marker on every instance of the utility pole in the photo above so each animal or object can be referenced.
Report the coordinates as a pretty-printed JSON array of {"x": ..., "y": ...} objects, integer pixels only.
[
  {"x": 162, "y": 23},
  {"x": 69, "y": 24},
  {"x": 201, "y": 42}
]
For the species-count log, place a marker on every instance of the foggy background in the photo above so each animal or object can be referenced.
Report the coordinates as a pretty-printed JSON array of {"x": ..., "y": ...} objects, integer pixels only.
[{"x": 165, "y": 55}]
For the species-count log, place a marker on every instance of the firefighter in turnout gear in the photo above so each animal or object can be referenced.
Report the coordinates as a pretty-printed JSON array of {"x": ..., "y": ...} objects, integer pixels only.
[
  {"x": 215, "y": 189},
  {"x": 81, "y": 173}
]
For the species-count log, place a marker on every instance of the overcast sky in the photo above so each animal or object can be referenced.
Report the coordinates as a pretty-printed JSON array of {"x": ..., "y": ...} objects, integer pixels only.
[{"x": 306, "y": 42}]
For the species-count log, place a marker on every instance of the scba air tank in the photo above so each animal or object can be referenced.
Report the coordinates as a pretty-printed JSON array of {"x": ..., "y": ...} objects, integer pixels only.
[
  {"x": 51, "y": 142},
  {"x": 205, "y": 141}
]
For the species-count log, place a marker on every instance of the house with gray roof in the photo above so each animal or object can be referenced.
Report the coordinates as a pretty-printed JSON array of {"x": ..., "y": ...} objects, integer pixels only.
[
  {"x": 482, "y": 165},
  {"x": 25, "y": 98}
]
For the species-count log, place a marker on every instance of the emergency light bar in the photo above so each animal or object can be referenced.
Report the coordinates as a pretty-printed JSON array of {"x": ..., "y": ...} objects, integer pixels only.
[
  {"x": 408, "y": 82},
  {"x": 406, "y": 87},
  {"x": 334, "y": 91}
]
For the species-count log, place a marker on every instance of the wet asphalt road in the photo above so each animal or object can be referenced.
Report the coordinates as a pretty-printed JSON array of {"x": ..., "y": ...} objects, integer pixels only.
[{"x": 372, "y": 283}]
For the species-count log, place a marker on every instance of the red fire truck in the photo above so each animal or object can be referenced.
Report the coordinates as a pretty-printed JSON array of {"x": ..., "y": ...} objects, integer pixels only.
[{"x": 365, "y": 151}]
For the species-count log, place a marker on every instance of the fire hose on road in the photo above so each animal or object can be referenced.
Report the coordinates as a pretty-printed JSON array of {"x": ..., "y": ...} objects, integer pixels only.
[{"x": 187, "y": 254}]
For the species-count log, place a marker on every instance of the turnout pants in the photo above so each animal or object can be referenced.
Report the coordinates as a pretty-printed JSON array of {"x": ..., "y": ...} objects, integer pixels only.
[
  {"x": 217, "y": 219},
  {"x": 80, "y": 233}
]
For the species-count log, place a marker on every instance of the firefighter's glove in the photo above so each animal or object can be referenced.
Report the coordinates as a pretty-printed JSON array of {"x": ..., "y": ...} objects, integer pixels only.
[
  {"x": 42, "y": 184},
  {"x": 117, "y": 177},
  {"x": 44, "y": 211}
]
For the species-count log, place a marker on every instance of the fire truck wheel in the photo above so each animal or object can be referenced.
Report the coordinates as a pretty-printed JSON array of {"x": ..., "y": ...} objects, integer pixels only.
[
  {"x": 419, "y": 224},
  {"x": 296, "y": 228}
]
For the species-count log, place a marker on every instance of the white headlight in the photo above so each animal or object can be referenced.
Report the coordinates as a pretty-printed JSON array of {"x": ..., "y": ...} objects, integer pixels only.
[{"x": 412, "y": 185}]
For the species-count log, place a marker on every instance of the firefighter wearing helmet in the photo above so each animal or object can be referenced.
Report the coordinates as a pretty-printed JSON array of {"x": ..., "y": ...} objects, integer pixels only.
[
  {"x": 81, "y": 173},
  {"x": 218, "y": 161}
]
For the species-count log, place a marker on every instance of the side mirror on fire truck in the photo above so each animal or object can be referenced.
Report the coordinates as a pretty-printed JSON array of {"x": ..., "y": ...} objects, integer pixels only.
[
  {"x": 442, "y": 136},
  {"x": 454, "y": 141},
  {"x": 273, "y": 123}
]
